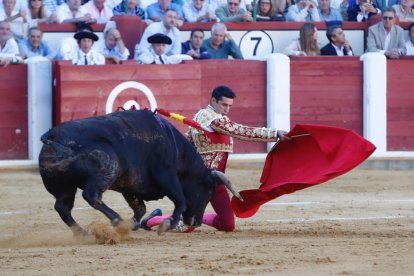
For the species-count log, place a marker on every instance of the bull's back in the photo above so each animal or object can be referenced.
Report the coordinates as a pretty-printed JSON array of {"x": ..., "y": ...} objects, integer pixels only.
[{"x": 127, "y": 140}]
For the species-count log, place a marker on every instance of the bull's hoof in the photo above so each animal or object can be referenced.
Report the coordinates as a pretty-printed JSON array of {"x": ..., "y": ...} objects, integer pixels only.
[
  {"x": 134, "y": 224},
  {"x": 79, "y": 232},
  {"x": 116, "y": 222},
  {"x": 164, "y": 226}
]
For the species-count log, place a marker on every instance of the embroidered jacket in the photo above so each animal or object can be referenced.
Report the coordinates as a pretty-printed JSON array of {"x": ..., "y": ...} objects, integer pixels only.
[{"x": 220, "y": 131}]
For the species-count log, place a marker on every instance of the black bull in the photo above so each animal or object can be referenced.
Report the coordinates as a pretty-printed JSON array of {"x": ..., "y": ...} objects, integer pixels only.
[{"x": 134, "y": 152}]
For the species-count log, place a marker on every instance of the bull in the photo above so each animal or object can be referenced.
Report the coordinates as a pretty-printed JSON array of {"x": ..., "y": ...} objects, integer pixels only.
[{"x": 136, "y": 153}]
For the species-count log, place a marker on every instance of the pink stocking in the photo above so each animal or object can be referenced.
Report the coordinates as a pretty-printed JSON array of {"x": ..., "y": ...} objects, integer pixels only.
[
  {"x": 208, "y": 218},
  {"x": 156, "y": 220}
]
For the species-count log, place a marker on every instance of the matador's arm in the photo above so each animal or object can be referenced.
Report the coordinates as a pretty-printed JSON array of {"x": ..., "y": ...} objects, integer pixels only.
[{"x": 225, "y": 126}]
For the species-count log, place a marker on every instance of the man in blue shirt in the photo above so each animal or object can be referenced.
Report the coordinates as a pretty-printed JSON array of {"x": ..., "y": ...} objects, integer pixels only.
[
  {"x": 328, "y": 13},
  {"x": 156, "y": 11},
  {"x": 221, "y": 45},
  {"x": 34, "y": 46}
]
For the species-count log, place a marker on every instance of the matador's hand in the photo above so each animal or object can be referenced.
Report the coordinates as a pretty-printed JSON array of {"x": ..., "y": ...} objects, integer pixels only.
[{"x": 281, "y": 134}]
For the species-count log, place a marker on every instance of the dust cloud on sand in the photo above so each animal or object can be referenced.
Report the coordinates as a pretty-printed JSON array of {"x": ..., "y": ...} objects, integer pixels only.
[{"x": 98, "y": 233}]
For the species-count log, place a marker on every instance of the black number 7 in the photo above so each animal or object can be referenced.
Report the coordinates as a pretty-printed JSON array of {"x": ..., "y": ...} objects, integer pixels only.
[{"x": 258, "y": 39}]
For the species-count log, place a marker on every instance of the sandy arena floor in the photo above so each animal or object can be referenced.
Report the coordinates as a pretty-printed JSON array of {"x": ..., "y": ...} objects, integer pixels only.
[{"x": 359, "y": 224}]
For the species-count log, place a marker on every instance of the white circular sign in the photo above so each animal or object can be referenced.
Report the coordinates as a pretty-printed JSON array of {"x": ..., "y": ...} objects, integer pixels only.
[
  {"x": 127, "y": 105},
  {"x": 256, "y": 45}
]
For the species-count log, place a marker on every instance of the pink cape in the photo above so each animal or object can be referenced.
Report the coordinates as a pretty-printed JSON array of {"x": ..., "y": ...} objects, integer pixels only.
[{"x": 323, "y": 153}]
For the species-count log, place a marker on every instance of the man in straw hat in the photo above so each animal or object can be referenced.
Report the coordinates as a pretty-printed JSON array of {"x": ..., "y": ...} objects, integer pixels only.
[{"x": 156, "y": 53}]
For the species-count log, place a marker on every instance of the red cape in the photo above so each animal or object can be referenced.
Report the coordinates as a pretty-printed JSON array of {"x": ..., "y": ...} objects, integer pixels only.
[{"x": 323, "y": 153}]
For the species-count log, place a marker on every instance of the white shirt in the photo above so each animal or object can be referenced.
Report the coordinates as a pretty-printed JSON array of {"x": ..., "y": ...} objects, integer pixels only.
[
  {"x": 115, "y": 52},
  {"x": 158, "y": 27},
  {"x": 11, "y": 48},
  {"x": 151, "y": 57},
  {"x": 214, "y": 4},
  {"x": 410, "y": 48},
  {"x": 20, "y": 4},
  {"x": 92, "y": 58},
  {"x": 387, "y": 40},
  {"x": 63, "y": 12},
  {"x": 112, "y": 3},
  {"x": 145, "y": 3},
  {"x": 101, "y": 16},
  {"x": 340, "y": 50},
  {"x": 3, "y": 15},
  {"x": 191, "y": 13},
  {"x": 33, "y": 22}
]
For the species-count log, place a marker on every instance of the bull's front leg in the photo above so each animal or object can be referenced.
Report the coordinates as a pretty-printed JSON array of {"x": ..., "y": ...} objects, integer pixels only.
[
  {"x": 172, "y": 222},
  {"x": 93, "y": 196},
  {"x": 171, "y": 185},
  {"x": 139, "y": 208}
]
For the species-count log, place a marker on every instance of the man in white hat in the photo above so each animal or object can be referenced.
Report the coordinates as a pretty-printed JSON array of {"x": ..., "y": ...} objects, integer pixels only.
[
  {"x": 85, "y": 55},
  {"x": 156, "y": 53}
]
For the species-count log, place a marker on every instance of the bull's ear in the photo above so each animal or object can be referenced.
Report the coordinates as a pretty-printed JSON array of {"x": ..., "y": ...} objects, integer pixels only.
[{"x": 226, "y": 181}]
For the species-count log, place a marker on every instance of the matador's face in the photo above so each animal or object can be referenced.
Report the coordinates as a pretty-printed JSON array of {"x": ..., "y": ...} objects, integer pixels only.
[{"x": 222, "y": 106}]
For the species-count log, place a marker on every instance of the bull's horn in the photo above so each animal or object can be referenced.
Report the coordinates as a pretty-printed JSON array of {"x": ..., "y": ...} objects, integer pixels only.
[{"x": 228, "y": 184}]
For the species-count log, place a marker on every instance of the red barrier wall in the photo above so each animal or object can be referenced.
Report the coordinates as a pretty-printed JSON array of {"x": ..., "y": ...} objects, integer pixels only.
[
  {"x": 131, "y": 29},
  {"x": 67, "y": 27},
  {"x": 400, "y": 104},
  {"x": 13, "y": 112},
  {"x": 82, "y": 91},
  {"x": 328, "y": 91}
]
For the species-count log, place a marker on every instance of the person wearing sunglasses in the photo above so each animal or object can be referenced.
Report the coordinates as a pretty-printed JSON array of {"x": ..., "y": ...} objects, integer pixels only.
[
  {"x": 232, "y": 12},
  {"x": 386, "y": 37}
]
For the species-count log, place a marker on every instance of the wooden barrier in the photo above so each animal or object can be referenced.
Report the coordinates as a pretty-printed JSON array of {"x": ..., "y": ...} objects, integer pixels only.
[
  {"x": 400, "y": 104},
  {"x": 324, "y": 90},
  {"x": 327, "y": 91},
  {"x": 83, "y": 91},
  {"x": 13, "y": 112}
]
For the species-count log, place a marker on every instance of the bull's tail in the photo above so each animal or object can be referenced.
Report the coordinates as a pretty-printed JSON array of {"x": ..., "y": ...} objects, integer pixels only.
[{"x": 54, "y": 154}]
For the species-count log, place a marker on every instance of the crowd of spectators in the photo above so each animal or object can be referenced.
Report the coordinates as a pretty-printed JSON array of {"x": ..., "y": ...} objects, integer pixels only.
[{"x": 165, "y": 17}]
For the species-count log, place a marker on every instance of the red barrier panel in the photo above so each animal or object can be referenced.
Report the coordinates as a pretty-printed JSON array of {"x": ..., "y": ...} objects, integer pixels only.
[
  {"x": 13, "y": 112},
  {"x": 400, "y": 104},
  {"x": 67, "y": 27},
  {"x": 83, "y": 91},
  {"x": 327, "y": 91},
  {"x": 131, "y": 29}
]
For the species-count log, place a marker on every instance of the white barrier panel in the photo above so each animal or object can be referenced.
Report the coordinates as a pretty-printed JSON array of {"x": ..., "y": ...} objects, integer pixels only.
[
  {"x": 375, "y": 101},
  {"x": 39, "y": 102},
  {"x": 278, "y": 92}
]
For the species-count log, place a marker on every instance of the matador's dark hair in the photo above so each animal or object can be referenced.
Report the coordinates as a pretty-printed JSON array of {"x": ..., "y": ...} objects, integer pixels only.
[{"x": 222, "y": 91}]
